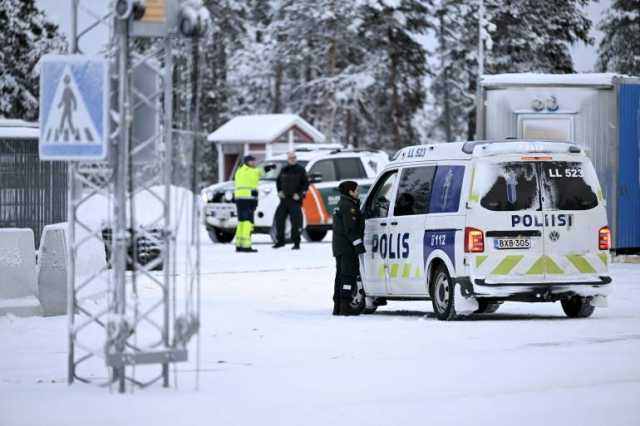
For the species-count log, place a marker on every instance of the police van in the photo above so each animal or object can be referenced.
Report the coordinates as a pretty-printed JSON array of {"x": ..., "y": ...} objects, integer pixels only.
[{"x": 472, "y": 225}]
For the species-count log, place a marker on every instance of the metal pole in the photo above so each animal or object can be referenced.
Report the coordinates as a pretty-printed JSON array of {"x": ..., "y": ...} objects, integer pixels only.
[
  {"x": 71, "y": 219},
  {"x": 120, "y": 185},
  {"x": 479, "y": 100},
  {"x": 167, "y": 170}
]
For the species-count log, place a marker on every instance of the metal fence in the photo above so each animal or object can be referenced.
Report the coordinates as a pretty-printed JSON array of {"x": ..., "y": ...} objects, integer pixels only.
[{"x": 32, "y": 193}]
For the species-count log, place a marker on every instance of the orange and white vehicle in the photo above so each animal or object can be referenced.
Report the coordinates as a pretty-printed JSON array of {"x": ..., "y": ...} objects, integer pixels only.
[{"x": 325, "y": 168}]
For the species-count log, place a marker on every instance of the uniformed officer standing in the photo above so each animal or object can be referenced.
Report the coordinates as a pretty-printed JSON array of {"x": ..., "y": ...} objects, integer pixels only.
[
  {"x": 347, "y": 244},
  {"x": 292, "y": 184},
  {"x": 246, "y": 183}
]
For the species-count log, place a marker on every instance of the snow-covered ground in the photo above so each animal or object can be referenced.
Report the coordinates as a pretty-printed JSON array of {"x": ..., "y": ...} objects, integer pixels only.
[{"x": 272, "y": 354}]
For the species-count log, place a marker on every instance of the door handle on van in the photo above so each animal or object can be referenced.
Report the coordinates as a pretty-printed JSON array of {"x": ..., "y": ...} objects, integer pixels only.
[
  {"x": 383, "y": 223},
  {"x": 394, "y": 223}
]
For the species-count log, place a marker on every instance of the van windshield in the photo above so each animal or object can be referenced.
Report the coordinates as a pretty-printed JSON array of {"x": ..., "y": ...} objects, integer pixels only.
[{"x": 552, "y": 185}]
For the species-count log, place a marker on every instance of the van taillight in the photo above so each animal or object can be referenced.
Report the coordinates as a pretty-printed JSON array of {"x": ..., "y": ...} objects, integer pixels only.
[
  {"x": 604, "y": 238},
  {"x": 473, "y": 240}
]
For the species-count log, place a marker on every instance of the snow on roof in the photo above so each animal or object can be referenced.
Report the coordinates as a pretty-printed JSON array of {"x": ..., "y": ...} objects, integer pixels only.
[
  {"x": 262, "y": 128},
  {"x": 18, "y": 129},
  {"x": 530, "y": 79}
]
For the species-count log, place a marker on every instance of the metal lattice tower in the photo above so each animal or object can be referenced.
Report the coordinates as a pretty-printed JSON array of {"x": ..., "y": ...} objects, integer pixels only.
[{"x": 137, "y": 312}]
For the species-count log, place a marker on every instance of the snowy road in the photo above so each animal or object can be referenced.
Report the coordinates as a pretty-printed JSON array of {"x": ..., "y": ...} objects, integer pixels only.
[{"x": 273, "y": 355}]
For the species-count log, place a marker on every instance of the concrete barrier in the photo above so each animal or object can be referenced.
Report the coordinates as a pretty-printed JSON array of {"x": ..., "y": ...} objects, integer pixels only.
[
  {"x": 18, "y": 273},
  {"x": 53, "y": 270}
]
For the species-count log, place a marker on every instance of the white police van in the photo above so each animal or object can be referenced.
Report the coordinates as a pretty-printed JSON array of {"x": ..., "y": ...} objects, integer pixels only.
[{"x": 472, "y": 225}]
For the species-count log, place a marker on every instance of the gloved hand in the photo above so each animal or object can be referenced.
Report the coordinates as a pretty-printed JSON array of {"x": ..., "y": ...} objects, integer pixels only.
[
  {"x": 254, "y": 192},
  {"x": 281, "y": 194},
  {"x": 360, "y": 249},
  {"x": 296, "y": 197}
]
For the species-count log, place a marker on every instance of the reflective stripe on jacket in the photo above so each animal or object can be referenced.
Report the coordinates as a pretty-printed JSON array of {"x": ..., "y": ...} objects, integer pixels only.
[{"x": 246, "y": 180}]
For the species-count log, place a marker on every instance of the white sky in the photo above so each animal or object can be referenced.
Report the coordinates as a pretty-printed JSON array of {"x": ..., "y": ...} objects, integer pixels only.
[{"x": 59, "y": 11}]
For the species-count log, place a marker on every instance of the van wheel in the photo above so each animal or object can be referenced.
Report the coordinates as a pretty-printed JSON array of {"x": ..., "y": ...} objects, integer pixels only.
[
  {"x": 577, "y": 307},
  {"x": 314, "y": 235},
  {"x": 370, "y": 305},
  {"x": 287, "y": 232},
  {"x": 485, "y": 307},
  {"x": 218, "y": 235},
  {"x": 442, "y": 294}
]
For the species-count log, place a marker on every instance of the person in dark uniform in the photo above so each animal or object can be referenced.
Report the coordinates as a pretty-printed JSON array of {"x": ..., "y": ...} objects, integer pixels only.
[
  {"x": 292, "y": 184},
  {"x": 347, "y": 244}
]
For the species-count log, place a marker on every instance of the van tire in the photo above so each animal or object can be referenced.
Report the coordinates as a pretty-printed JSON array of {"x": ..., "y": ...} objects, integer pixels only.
[
  {"x": 442, "y": 294},
  {"x": 219, "y": 235},
  {"x": 577, "y": 307},
  {"x": 314, "y": 235},
  {"x": 485, "y": 307}
]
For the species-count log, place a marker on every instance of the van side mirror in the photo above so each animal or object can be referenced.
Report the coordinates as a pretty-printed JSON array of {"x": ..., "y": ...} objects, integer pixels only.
[{"x": 315, "y": 178}]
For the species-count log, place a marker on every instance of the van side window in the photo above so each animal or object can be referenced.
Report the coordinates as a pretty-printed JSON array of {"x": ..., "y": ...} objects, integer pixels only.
[
  {"x": 447, "y": 184},
  {"x": 379, "y": 201},
  {"x": 414, "y": 191},
  {"x": 326, "y": 169},
  {"x": 350, "y": 168}
]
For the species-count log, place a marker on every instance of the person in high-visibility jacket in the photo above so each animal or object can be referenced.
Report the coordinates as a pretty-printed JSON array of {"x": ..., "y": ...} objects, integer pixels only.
[{"x": 246, "y": 183}]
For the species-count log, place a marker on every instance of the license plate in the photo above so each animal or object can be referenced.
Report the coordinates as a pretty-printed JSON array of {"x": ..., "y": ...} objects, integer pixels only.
[
  {"x": 220, "y": 212},
  {"x": 511, "y": 243}
]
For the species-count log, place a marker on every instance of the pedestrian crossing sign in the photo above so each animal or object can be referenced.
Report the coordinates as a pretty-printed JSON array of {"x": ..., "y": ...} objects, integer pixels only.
[{"x": 74, "y": 107}]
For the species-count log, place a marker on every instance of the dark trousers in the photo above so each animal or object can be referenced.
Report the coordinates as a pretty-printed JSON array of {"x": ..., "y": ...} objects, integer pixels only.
[
  {"x": 293, "y": 209},
  {"x": 347, "y": 271},
  {"x": 246, "y": 208}
]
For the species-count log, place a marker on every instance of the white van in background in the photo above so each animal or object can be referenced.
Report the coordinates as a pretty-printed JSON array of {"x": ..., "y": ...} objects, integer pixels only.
[{"x": 472, "y": 225}]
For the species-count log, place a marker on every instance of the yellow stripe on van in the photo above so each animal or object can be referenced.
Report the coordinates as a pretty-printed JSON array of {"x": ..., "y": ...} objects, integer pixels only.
[
  {"x": 406, "y": 270},
  {"x": 480, "y": 260},
  {"x": 604, "y": 258},
  {"x": 544, "y": 265},
  {"x": 394, "y": 270},
  {"x": 581, "y": 264},
  {"x": 418, "y": 272},
  {"x": 507, "y": 265},
  {"x": 473, "y": 197},
  {"x": 381, "y": 272}
]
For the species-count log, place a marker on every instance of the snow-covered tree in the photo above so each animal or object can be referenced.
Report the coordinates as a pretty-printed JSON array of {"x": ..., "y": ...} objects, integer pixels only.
[
  {"x": 25, "y": 37},
  {"x": 534, "y": 36},
  {"x": 619, "y": 50}
]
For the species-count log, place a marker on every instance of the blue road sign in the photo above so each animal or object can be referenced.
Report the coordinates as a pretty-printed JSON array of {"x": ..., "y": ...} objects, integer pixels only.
[{"x": 74, "y": 107}]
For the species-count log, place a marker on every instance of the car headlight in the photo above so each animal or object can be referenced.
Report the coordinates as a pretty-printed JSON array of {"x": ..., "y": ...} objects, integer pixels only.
[
  {"x": 207, "y": 196},
  {"x": 228, "y": 196}
]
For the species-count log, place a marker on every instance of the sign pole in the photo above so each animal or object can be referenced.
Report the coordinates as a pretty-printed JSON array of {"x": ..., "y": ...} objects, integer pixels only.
[{"x": 121, "y": 168}]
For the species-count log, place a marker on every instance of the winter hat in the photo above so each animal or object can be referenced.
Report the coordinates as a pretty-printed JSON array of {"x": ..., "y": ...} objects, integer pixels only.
[
  {"x": 346, "y": 186},
  {"x": 249, "y": 158}
]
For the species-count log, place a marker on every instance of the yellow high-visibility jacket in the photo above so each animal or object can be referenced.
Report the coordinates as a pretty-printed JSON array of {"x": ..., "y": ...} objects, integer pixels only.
[{"x": 246, "y": 180}]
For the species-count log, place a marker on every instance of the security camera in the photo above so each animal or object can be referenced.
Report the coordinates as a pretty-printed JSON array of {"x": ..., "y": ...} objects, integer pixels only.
[{"x": 125, "y": 9}]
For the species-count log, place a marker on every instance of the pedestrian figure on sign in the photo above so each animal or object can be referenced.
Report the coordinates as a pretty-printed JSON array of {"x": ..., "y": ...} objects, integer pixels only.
[
  {"x": 347, "y": 245},
  {"x": 68, "y": 104},
  {"x": 292, "y": 185}
]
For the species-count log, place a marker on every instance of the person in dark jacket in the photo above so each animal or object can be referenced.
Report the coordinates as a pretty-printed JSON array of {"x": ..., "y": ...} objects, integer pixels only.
[
  {"x": 347, "y": 244},
  {"x": 292, "y": 184}
]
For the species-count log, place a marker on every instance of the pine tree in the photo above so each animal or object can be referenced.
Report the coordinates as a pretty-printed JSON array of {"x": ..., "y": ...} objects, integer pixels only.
[
  {"x": 619, "y": 50},
  {"x": 531, "y": 36},
  {"x": 389, "y": 29},
  {"x": 25, "y": 37}
]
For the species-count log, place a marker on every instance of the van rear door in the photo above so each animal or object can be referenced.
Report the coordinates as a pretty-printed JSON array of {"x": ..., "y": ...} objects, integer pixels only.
[
  {"x": 574, "y": 213},
  {"x": 505, "y": 205}
]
